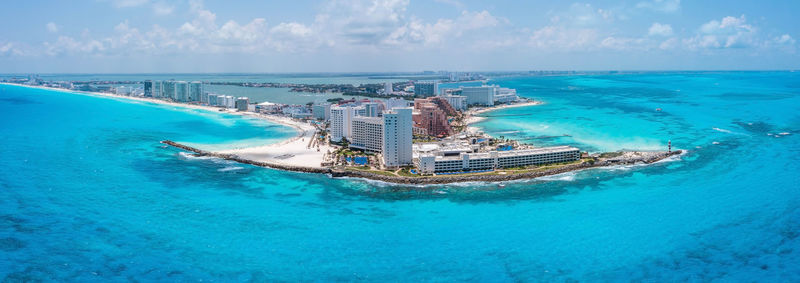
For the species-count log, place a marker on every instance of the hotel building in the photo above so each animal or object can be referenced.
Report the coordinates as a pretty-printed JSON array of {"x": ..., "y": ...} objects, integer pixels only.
[
  {"x": 342, "y": 116},
  {"x": 397, "y": 137},
  {"x": 387, "y": 88},
  {"x": 242, "y": 103},
  {"x": 340, "y": 122},
  {"x": 158, "y": 89},
  {"x": 431, "y": 117},
  {"x": 438, "y": 162},
  {"x": 479, "y": 95},
  {"x": 505, "y": 95},
  {"x": 169, "y": 90},
  {"x": 395, "y": 103},
  {"x": 321, "y": 111},
  {"x": 371, "y": 109},
  {"x": 123, "y": 90},
  {"x": 230, "y": 101},
  {"x": 367, "y": 133},
  {"x": 148, "y": 88},
  {"x": 181, "y": 91},
  {"x": 196, "y": 91},
  {"x": 212, "y": 99},
  {"x": 426, "y": 88},
  {"x": 458, "y": 102}
]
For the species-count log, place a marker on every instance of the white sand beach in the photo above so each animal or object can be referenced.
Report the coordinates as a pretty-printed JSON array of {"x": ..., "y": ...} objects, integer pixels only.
[
  {"x": 299, "y": 151},
  {"x": 473, "y": 118}
]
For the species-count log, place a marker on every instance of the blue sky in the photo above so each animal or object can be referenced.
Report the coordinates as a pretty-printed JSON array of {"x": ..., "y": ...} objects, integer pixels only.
[{"x": 135, "y": 36}]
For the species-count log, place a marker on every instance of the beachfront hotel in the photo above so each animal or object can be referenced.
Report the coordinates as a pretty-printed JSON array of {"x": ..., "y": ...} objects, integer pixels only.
[
  {"x": 367, "y": 133},
  {"x": 341, "y": 122},
  {"x": 169, "y": 90},
  {"x": 242, "y": 104},
  {"x": 148, "y": 88},
  {"x": 181, "y": 91},
  {"x": 505, "y": 95},
  {"x": 488, "y": 95},
  {"x": 431, "y": 115},
  {"x": 397, "y": 137},
  {"x": 426, "y": 88},
  {"x": 458, "y": 102},
  {"x": 158, "y": 89},
  {"x": 441, "y": 161},
  {"x": 479, "y": 95},
  {"x": 341, "y": 117},
  {"x": 195, "y": 91}
]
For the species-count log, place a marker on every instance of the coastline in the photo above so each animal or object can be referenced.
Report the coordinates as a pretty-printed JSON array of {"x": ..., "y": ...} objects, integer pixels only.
[
  {"x": 294, "y": 151},
  {"x": 473, "y": 118}
]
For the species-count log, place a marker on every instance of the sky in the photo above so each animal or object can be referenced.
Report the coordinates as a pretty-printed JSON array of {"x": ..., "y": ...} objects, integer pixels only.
[{"x": 195, "y": 36}]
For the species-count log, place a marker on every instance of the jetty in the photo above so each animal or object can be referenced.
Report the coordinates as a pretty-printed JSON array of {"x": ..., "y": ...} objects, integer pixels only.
[{"x": 604, "y": 160}]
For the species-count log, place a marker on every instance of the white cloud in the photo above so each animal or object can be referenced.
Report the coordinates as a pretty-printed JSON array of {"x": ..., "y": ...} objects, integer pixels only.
[
  {"x": 455, "y": 3},
  {"x": 558, "y": 38},
  {"x": 52, "y": 27},
  {"x": 783, "y": 42},
  {"x": 730, "y": 32},
  {"x": 66, "y": 44},
  {"x": 361, "y": 22},
  {"x": 159, "y": 7},
  {"x": 784, "y": 39},
  {"x": 162, "y": 9},
  {"x": 665, "y": 6},
  {"x": 582, "y": 15},
  {"x": 128, "y": 3},
  {"x": 658, "y": 29},
  {"x": 10, "y": 49},
  {"x": 623, "y": 43},
  {"x": 292, "y": 29},
  {"x": 443, "y": 31},
  {"x": 376, "y": 26},
  {"x": 671, "y": 43}
]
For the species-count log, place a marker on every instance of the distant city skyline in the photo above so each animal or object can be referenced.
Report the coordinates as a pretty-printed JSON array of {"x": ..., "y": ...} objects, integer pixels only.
[{"x": 156, "y": 36}]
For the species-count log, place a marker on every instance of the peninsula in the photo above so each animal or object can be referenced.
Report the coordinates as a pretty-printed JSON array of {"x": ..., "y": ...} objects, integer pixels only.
[{"x": 427, "y": 140}]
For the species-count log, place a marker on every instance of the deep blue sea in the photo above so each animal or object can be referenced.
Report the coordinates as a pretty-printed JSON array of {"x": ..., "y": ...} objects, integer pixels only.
[{"x": 88, "y": 194}]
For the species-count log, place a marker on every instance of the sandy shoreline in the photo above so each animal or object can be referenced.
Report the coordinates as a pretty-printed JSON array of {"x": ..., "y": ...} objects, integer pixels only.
[
  {"x": 473, "y": 118},
  {"x": 293, "y": 152}
]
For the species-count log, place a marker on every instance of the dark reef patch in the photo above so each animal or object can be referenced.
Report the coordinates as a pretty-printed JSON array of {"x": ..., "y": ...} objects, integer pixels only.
[{"x": 11, "y": 244}]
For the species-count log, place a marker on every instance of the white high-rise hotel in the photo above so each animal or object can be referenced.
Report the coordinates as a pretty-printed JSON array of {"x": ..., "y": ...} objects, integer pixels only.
[
  {"x": 397, "y": 137},
  {"x": 341, "y": 122},
  {"x": 367, "y": 133},
  {"x": 487, "y": 95}
]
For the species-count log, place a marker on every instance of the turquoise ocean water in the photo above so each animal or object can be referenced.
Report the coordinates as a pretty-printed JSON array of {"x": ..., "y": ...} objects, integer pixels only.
[{"x": 88, "y": 194}]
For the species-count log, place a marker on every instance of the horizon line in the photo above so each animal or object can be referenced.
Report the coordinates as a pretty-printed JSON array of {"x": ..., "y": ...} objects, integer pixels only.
[{"x": 405, "y": 72}]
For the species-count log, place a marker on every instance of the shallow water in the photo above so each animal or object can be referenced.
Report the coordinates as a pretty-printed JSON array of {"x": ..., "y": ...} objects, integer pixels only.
[{"x": 87, "y": 193}]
